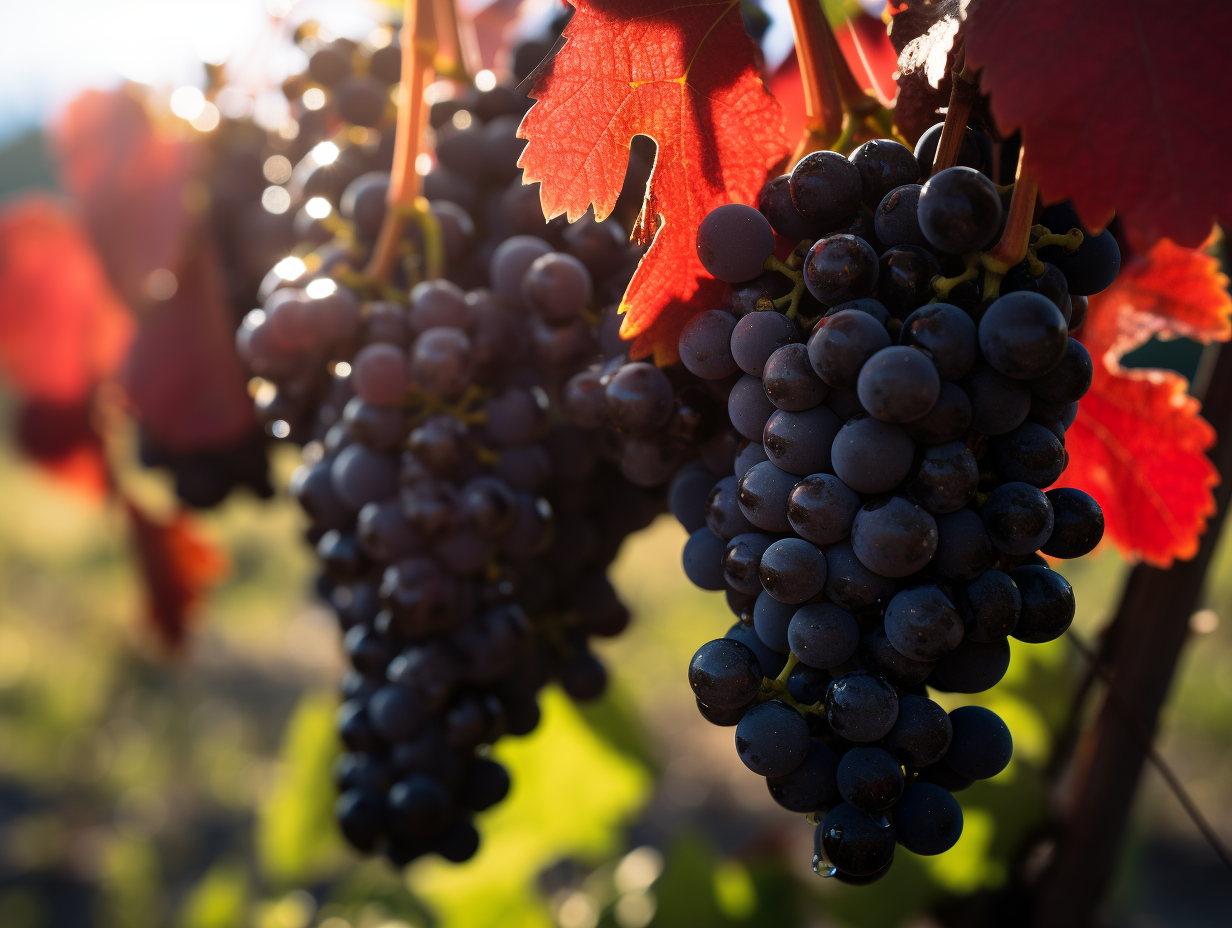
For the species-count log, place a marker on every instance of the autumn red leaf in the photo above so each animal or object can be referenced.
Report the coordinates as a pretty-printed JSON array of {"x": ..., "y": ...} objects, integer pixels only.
[
  {"x": 687, "y": 77},
  {"x": 132, "y": 186},
  {"x": 177, "y": 565},
  {"x": 61, "y": 438},
  {"x": 62, "y": 326},
  {"x": 183, "y": 378},
  {"x": 1122, "y": 105},
  {"x": 1138, "y": 445},
  {"x": 870, "y": 56}
]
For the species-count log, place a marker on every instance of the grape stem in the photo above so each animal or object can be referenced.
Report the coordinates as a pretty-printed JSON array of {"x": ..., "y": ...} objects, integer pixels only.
[
  {"x": 792, "y": 300},
  {"x": 964, "y": 90},
  {"x": 419, "y": 46},
  {"x": 943, "y": 285},
  {"x": 1012, "y": 247},
  {"x": 450, "y": 58},
  {"x": 792, "y": 660}
]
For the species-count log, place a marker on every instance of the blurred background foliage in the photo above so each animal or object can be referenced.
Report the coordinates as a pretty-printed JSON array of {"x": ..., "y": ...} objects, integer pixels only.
[{"x": 141, "y": 792}]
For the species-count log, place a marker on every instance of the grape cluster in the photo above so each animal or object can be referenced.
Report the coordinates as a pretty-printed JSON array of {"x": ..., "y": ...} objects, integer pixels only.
[
  {"x": 902, "y": 414},
  {"x": 462, "y": 514}
]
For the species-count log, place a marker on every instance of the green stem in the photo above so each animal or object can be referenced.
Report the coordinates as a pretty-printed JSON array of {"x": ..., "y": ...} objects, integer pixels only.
[{"x": 792, "y": 660}]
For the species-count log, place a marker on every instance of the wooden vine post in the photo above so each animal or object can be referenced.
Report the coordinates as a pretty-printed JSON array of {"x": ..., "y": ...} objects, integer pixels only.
[{"x": 1141, "y": 652}]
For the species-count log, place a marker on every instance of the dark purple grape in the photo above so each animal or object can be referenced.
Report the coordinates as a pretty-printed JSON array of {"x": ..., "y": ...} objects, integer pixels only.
[
  {"x": 800, "y": 442},
  {"x": 975, "y": 150},
  {"x": 883, "y": 165},
  {"x": 950, "y": 418},
  {"x": 725, "y": 718},
  {"x": 1051, "y": 283},
  {"x": 865, "y": 305},
  {"x": 861, "y": 707},
  {"x": 963, "y": 548},
  {"x": 772, "y": 663},
  {"x": 558, "y": 287},
  {"x": 922, "y": 733},
  {"x": 688, "y": 495},
  {"x": 1094, "y": 265},
  {"x": 705, "y": 345},
  {"x": 1018, "y": 517},
  {"x": 762, "y": 495},
  {"x": 648, "y": 461},
  {"x": 723, "y": 514},
  {"x": 972, "y": 667},
  {"x": 362, "y": 816},
  {"x": 1069, "y": 381},
  {"x": 998, "y": 404},
  {"x": 1078, "y": 312},
  {"x": 384, "y": 534},
  {"x": 981, "y": 746},
  {"x": 927, "y": 819},
  {"x": 854, "y": 841},
  {"x": 772, "y": 739},
  {"x": 724, "y": 674},
  {"x": 752, "y": 296},
  {"x": 386, "y": 322},
  {"x": 990, "y": 605},
  {"x": 822, "y": 635},
  {"x": 821, "y": 508},
  {"x": 437, "y": 303},
  {"x": 864, "y": 226},
  {"x": 826, "y": 189},
  {"x": 510, "y": 262},
  {"x": 946, "y": 479},
  {"x": 749, "y": 408},
  {"x": 840, "y": 268},
  {"x": 896, "y": 221},
  {"x": 923, "y": 624},
  {"x": 852, "y": 585},
  {"x": 381, "y": 428},
  {"x": 1023, "y": 335},
  {"x": 775, "y": 204},
  {"x": 959, "y": 210},
  {"x": 584, "y": 400},
  {"x": 792, "y": 570},
  {"x": 871, "y": 456},
  {"x": 742, "y": 560},
  {"x": 1031, "y": 453},
  {"x": 870, "y": 779},
  {"x": 880, "y": 656},
  {"x": 898, "y": 384},
  {"x": 807, "y": 685},
  {"x": 948, "y": 335},
  {"x": 844, "y": 402},
  {"x": 905, "y": 279},
  {"x": 749, "y": 454},
  {"x": 442, "y": 362},
  {"x": 770, "y": 621},
  {"x": 757, "y": 336},
  {"x": 841, "y": 344},
  {"x": 703, "y": 559},
  {"x": 811, "y": 787},
  {"x": 1078, "y": 523},
  {"x": 734, "y": 241},
  {"x": 361, "y": 476},
  {"x": 1047, "y": 604},
  {"x": 639, "y": 398},
  {"x": 790, "y": 381}
]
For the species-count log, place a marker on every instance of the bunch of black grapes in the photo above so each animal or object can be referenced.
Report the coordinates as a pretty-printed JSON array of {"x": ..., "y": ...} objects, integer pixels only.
[
  {"x": 463, "y": 523},
  {"x": 902, "y": 415}
]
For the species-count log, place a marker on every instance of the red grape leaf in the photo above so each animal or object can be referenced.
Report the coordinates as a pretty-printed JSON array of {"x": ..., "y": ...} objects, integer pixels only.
[
  {"x": 61, "y": 438},
  {"x": 869, "y": 54},
  {"x": 62, "y": 326},
  {"x": 182, "y": 377},
  {"x": 131, "y": 184},
  {"x": 177, "y": 565},
  {"x": 687, "y": 76},
  {"x": 1122, "y": 105},
  {"x": 1138, "y": 444}
]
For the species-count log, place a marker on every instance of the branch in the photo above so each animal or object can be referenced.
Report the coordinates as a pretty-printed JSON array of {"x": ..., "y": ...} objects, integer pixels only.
[
  {"x": 1012, "y": 247},
  {"x": 449, "y": 61},
  {"x": 964, "y": 90},
  {"x": 418, "y": 51},
  {"x": 815, "y": 53}
]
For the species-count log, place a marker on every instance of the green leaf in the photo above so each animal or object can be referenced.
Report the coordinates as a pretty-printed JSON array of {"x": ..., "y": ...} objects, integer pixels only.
[
  {"x": 297, "y": 840},
  {"x": 571, "y": 793},
  {"x": 219, "y": 900}
]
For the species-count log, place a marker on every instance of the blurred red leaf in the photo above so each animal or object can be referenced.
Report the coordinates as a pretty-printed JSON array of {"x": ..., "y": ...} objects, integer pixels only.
[
  {"x": 685, "y": 76},
  {"x": 1122, "y": 105},
  {"x": 131, "y": 184},
  {"x": 872, "y": 59},
  {"x": 61, "y": 438},
  {"x": 62, "y": 326},
  {"x": 183, "y": 378},
  {"x": 1138, "y": 444},
  {"x": 178, "y": 565}
]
